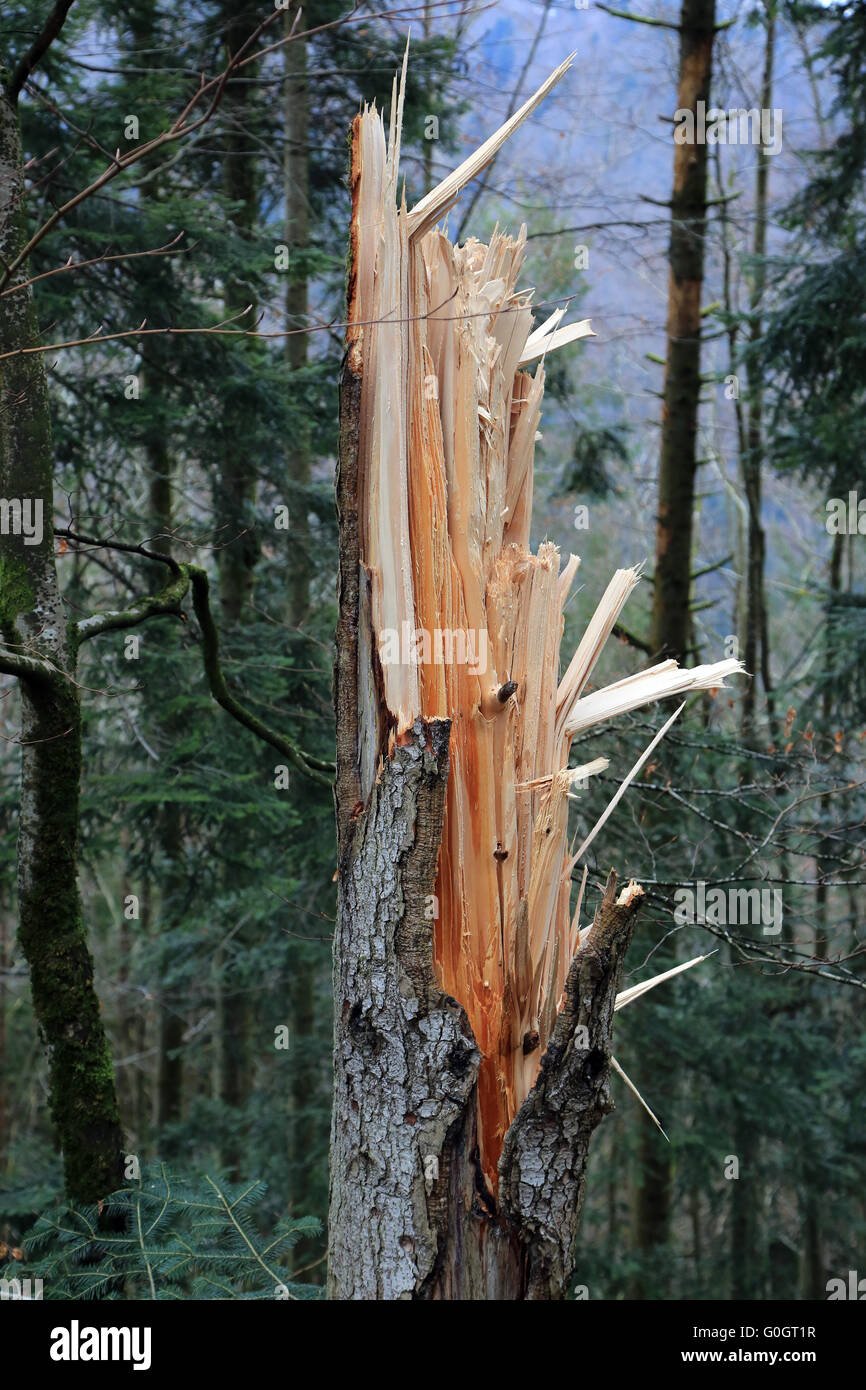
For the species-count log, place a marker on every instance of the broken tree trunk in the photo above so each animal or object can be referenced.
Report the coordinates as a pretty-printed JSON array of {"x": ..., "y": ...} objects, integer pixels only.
[{"x": 472, "y": 1019}]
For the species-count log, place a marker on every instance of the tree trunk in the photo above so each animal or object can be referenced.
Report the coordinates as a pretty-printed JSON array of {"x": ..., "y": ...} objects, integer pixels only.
[
  {"x": 755, "y": 649},
  {"x": 682, "y": 379},
  {"x": 297, "y": 199},
  {"x": 239, "y": 550},
  {"x": 412, "y": 1216},
  {"x": 677, "y": 472},
  {"x": 745, "y": 1198},
  {"x": 296, "y": 189},
  {"x": 472, "y": 1015},
  {"x": 171, "y": 1028},
  {"x": 5, "y": 1141},
  {"x": 34, "y": 627},
  {"x": 238, "y": 481}
]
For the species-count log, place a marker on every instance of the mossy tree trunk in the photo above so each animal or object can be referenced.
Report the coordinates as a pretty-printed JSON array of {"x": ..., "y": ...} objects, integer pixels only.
[{"x": 39, "y": 648}]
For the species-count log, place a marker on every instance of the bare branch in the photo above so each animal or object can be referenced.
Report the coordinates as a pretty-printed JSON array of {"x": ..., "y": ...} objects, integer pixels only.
[
  {"x": 219, "y": 329},
  {"x": 168, "y": 602},
  {"x": 210, "y": 90},
  {"x": 638, "y": 18},
  {"x": 124, "y": 546},
  {"x": 104, "y": 259},
  {"x": 625, "y": 635}
]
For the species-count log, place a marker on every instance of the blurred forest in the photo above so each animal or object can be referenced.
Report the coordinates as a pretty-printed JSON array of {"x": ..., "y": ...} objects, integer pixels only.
[{"x": 207, "y": 852}]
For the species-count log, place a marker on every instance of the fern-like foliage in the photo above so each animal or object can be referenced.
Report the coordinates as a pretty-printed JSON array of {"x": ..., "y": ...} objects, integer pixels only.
[{"x": 162, "y": 1237}]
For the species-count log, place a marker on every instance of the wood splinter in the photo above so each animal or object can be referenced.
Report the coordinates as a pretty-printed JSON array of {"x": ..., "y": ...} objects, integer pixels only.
[{"x": 439, "y": 337}]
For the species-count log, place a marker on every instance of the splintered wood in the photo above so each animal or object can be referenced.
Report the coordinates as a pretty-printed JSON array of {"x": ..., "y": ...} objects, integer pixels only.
[{"x": 460, "y": 618}]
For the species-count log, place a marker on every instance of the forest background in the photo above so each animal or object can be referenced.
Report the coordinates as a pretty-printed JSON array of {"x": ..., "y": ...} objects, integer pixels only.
[{"x": 207, "y": 858}]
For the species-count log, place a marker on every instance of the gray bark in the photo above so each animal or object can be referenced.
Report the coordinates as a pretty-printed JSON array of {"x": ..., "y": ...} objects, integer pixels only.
[{"x": 411, "y": 1216}]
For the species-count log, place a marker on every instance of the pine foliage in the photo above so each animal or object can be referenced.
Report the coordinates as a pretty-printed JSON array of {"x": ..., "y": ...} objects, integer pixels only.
[{"x": 164, "y": 1237}]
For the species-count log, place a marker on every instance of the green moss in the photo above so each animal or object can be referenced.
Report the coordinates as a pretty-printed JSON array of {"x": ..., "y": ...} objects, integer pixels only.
[
  {"x": 54, "y": 941},
  {"x": 16, "y": 591}
]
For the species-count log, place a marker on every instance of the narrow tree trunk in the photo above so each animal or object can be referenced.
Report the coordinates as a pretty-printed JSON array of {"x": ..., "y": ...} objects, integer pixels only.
[
  {"x": 238, "y": 478},
  {"x": 239, "y": 551},
  {"x": 682, "y": 379},
  {"x": 33, "y": 622},
  {"x": 747, "y": 1192},
  {"x": 746, "y": 1263},
  {"x": 297, "y": 200},
  {"x": 168, "y": 830},
  {"x": 677, "y": 472},
  {"x": 756, "y": 636},
  {"x": 171, "y": 896},
  {"x": 296, "y": 181},
  {"x": 813, "y": 1262}
]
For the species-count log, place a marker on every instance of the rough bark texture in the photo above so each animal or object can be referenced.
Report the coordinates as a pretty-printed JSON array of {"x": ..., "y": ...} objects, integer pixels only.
[
  {"x": 543, "y": 1164},
  {"x": 34, "y": 629},
  {"x": 405, "y": 1061},
  {"x": 411, "y": 1216}
]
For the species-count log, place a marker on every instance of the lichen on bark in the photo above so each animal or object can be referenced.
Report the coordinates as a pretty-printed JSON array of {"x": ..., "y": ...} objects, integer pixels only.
[{"x": 52, "y": 933}]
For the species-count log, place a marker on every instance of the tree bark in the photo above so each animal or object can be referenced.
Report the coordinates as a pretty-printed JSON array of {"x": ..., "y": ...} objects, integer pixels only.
[
  {"x": 40, "y": 648},
  {"x": 411, "y": 1214},
  {"x": 756, "y": 635},
  {"x": 682, "y": 379}
]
